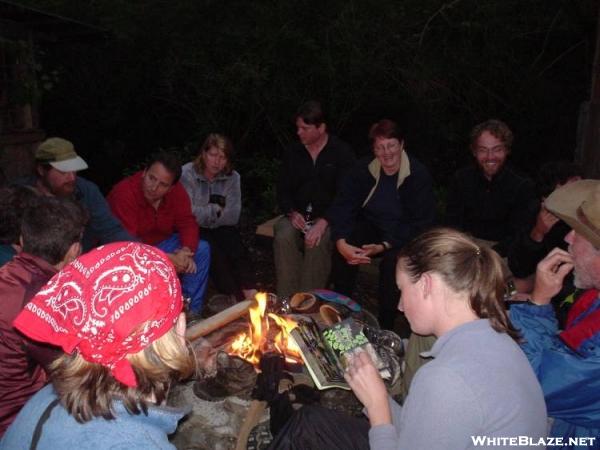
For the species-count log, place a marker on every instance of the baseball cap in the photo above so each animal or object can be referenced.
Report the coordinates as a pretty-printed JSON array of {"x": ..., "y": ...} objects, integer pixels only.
[{"x": 60, "y": 154}]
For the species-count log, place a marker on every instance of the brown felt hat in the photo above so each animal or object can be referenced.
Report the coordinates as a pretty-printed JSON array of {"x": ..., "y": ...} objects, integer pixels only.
[
  {"x": 578, "y": 204},
  {"x": 60, "y": 154}
]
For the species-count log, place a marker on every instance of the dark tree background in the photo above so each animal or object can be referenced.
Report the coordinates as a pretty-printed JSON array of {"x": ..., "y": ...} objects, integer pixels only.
[{"x": 168, "y": 72}]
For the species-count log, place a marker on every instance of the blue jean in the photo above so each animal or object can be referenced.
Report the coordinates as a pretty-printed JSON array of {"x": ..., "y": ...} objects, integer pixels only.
[{"x": 193, "y": 285}]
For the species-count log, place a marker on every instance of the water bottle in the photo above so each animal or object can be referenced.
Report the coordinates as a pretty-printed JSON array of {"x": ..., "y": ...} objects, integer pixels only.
[{"x": 308, "y": 219}]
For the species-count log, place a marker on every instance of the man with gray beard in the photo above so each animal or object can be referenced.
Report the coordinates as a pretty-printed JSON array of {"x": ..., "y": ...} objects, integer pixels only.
[{"x": 567, "y": 362}]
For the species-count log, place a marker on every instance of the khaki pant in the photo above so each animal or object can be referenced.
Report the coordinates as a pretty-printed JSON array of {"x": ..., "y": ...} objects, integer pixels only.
[
  {"x": 417, "y": 344},
  {"x": 298, "y": 268}
]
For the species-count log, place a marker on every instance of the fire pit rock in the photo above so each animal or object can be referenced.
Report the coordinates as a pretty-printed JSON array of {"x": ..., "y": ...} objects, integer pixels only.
[{"x": 211, "y": 425}]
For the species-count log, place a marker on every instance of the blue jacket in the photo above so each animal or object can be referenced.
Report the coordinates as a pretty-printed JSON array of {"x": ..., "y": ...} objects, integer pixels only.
[
  {"x": 62, "y": 431},
  {"x": 567, "y": 364},
  {"x": 102, "y": 227}
]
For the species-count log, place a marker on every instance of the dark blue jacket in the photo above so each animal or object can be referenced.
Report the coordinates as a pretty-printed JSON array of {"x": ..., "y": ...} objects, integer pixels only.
[{"x": 415, "y": 199}]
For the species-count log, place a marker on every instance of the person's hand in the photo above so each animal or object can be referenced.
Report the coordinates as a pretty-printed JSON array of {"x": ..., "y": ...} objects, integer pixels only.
[
  {"x": 183, "y": 260},
  {"x": 313, "y": 236},
  {"x": 544, "y": 222},
  {"x": 353, "y": 255},
  {"x": 549, "y": 276},
  {"x": 373, "y": 249},
  {"x": 190, "y": 266},
  {"x": 297, "y": 220},
  {"x": 366, "y": 383}
]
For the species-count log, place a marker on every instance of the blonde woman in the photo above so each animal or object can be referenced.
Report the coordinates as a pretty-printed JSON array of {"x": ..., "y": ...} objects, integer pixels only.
[
  {"x": 215, "y": 191},
  {"x": 116, "y": 313}
]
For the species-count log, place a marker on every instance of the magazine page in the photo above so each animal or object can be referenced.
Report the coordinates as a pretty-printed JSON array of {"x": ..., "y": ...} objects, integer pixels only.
[
  {"x": 346, "y": 339},
  {"x": 320, "y": 362}
]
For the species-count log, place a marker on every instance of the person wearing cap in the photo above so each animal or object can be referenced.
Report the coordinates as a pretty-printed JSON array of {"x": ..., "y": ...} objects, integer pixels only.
[
  {"x": 56, "y": 169},
  {"x": 116, "y": 314},
  {"x": 567, "y": 362},
  {"x": 50, "y": 231},
  {"x": 489, "y": 199},
  {"x": 154, "y": 207}
]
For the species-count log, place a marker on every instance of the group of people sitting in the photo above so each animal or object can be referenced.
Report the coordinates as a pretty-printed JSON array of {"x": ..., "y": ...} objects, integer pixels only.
[{"x": 92, "y": 331}]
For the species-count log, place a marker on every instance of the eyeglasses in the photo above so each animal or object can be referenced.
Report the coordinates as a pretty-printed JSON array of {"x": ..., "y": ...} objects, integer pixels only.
[
  {"x": 391, "y": 147},
  {"x": 497, "y": 150}
]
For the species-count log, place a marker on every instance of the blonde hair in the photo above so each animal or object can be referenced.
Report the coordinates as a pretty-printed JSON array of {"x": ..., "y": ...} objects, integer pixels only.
[
  {"x": 87, "y": 389},
  {"x": 464, "y": 267},
  {"x": 221, "y": 142}
]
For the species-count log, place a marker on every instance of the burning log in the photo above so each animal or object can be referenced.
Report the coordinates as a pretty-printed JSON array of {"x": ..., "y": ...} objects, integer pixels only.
[
  {"x": 251, "y": 345},
  {"x": 218, "y": 320}
]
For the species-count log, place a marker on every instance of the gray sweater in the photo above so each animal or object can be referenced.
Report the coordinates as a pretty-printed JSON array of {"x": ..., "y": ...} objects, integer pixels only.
[{"x": 479, "y": 384}]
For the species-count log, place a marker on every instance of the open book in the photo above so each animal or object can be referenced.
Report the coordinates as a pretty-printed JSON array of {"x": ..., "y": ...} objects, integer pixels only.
[{"x": 327, "y": 353}]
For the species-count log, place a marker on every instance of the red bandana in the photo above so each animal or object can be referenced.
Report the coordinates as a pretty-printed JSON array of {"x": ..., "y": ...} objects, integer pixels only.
[{"x": 109, "y": 303}]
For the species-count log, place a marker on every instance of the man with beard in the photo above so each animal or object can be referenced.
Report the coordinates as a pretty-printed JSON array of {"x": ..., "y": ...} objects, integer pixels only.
[
  {"x": 56, "y": 169},
  {"x": 567, "y": 362},
  {"x": 488, "y": 199}
]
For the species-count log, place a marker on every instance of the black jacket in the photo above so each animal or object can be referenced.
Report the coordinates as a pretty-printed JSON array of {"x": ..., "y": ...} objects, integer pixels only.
[
  {"x": 302, "y": 182},
  {"x": 495, "y": 210}
]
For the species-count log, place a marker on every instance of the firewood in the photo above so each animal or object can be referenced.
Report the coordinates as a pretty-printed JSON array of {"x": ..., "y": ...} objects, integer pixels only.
[
  {"x": 218, "y": 320},
  {"x": 256, "y": 410}
]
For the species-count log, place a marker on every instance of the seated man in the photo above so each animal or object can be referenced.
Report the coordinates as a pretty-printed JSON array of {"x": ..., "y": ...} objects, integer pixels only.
[
  {"x": 50, "y": 233},
  {"x": 309, "y": 178},
  {"x": 56, "y": 170},
  {"x": 532, "y": 245},
  {"x": 154, "y": 207},
  {"x": 490, "y": 200},
  {"x": 567, "y": 362},
  {"x": 14, "y": 200}
]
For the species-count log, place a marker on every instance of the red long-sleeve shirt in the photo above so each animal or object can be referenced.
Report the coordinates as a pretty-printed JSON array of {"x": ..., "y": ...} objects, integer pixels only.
[{"x": 151, "y": 226}]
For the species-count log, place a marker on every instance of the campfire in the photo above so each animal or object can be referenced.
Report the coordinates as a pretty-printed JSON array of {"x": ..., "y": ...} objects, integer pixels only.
[{"x": 267, "y": 332}]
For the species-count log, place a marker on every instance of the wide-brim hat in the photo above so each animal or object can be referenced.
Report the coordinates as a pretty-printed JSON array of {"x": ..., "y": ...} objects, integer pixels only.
[
  {"x": 60, "y": 154},
  {"x": 578, "y": 204}
]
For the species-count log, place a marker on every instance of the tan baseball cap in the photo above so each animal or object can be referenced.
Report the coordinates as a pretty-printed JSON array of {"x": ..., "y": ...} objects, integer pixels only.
[
  {"x": 60, "y": 154},
  {"x": 578, "y": 204}
]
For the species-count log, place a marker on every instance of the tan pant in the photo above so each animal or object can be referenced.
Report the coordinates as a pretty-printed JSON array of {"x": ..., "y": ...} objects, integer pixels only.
[
  {"x": 417, "y": 344},
  {"x": 299, "y": 269}
]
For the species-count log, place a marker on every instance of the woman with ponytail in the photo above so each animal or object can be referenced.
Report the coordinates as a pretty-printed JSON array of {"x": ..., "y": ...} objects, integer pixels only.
[
  {"x": 479, "y": 383},
  {"x": 479, "y": 389}
]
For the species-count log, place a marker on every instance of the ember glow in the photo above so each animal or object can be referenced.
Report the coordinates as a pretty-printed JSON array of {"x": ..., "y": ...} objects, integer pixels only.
[{"x": 257, "y": 341}]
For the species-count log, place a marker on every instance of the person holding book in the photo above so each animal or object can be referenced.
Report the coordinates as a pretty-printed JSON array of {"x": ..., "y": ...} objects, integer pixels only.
[{"x": 479, "y": 384}]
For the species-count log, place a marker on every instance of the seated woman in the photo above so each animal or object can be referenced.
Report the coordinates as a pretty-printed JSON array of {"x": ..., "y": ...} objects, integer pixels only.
[
  {"x": 479, "y": 384},
  {"x": 116, "y": 312},
  {"x": 214, "y": 189},
  {"x": 383, "y": 203}
]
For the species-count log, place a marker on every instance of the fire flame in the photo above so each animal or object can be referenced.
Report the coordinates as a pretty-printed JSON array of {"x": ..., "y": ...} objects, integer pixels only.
[{"x": 251, "y": 345}]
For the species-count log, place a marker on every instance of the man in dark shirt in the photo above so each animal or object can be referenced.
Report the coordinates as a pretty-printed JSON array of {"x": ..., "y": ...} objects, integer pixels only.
[
  {"x": 310, "y": 175},
  {"x": 51, "y": 230},
  {"x": 488, "y": 199}
]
